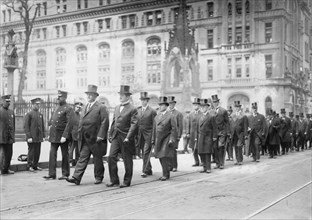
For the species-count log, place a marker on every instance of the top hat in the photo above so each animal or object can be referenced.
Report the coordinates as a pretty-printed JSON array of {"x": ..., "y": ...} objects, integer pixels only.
[
  {"x": 163, "y": 100},
  {"x": 291, "y": 114},
  {"x": 301, "y": 115},
  {"x": 144, "y": 96},
  {"x": 196, "y": 101},
  {"x": 230, "y": 109},
  {"x": 215, "y": 98},
  {"x": 254, "y": 105},
  {"x": 61, "y": 93},
  {"x": 171, "y": 99},
  {"x": 125, "y": 89},
  {"x": 36, "y": 101},
  {"x": 297, "y": 116},
  {"x": 283, "y": 111},
  {"x": 204, "y": 102},
  {"x": 6, "y": 98},
  {"x": 92, "y": 89},
  {"x": 237, "y": 104}
]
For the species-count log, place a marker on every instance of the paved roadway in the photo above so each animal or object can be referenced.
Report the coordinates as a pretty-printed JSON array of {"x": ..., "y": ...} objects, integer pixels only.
[{"x": 272, "y": 189}]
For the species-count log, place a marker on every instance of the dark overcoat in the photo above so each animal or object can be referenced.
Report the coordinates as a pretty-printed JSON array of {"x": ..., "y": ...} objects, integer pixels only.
[
  {"x": 145, "y": 124},
  {"x": 164, "y": 130},
  {"x": 309, "y": 130},
  {"x": 274, "y": 129},
  {"x": 60, "y": 123},
  {"x": 94, "y": 123},
  {"x": 285, "y": 130},
  {"x": 7, "y": 126},
  {"x": 239, "y": 130},
  {"x": 294, "y": 126},
  {"x": 75, "y": 124},
  {"x": 257, "y": 124},
  {"x": 222, "y": 121},
  {"x": 179, "y": 119},
  {"x": 34, "y": 126},
  {"x": 194, "y": 118},
  {"x": 206, "y": 132}
]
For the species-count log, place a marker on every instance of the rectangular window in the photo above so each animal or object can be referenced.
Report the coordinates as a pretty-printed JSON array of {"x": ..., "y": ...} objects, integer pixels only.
[
  {"x": 78, "y": 28},
  {"x": 9, "y": 13},
  {"x": 127, "y": 74},
  {"x": 268, "y": 66},
  {"x": 38, "y": 33},
  {"x": 306, "y": 26},
  {"x": 210, "y": 70},
  {"x": 268, "y": 4},
  {"x": 100, "y": 25},
  {"x": 78, "y": 4},
  {"x": 210, "y": 38},
  {"x": 247, "y": 34},
  {"x": 158, "y": 17},
  {"x": 123, "y": 22},
  {"x": 108, "y": 2},
  {"x": 153, "y": 73},
  {"x": 44, "y": 33},
  {"x": 85, "y": 27},
  {"x": 58, "y": 9},
  {"x": 238, "y": 67},
  {"x": 238, "y": 35},
  {"x": 45, "y": 8},
  {"x": 85, "y": 3},
  {"x": 107, "y": 22},
  {"x": 38, "y": 9},
  {"x": 132, "y": 21},
  {"x": 57, "y": 28},
  {"x": 306, "y": 51},
  {"x": 149, "y": 18},
  {"x": 3, "y": 15},
  {"x": 64, "y": 30},
  {"x": 238, "y": 7},
  {"x": 247, "y": 66},
  {"x": 268, "y": 32},
  {"x": 101, "y": 2},
  {"x": 230, "y": 36},
  {"x": 210, "y": 9},
  {"x": 229, "y": 64},
  {"x": 64, "y": 8}
]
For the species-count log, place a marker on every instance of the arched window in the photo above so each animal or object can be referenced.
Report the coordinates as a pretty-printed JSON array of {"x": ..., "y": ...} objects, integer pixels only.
[
  {"x": 104, "y": 51},
  {"x": 230, "y": 8},
  {"x": 244, "y": 100},
  {"x": 82, "y": 54},
  {"x": 247, "y": 6},
  {"x": 41, "y": 58},
  {"x": 268, "y": 103},
  {"x": 60, "y": 56},
  {"x": 153, "y": 47},
  {"x": 128, "y": 49}
]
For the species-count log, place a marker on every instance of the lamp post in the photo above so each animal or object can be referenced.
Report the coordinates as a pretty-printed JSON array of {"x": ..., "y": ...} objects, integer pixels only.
[{"x": 11, "y": 64}]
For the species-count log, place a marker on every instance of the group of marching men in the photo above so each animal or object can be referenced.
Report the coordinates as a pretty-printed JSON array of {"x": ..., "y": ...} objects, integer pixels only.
[{"x": 210, "y": 130}]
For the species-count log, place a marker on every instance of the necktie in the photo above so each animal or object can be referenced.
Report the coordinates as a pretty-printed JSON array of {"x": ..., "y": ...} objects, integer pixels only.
[{"x": 88, "y": 107}]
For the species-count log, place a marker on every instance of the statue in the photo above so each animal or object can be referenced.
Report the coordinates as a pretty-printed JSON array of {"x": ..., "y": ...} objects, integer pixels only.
[{"x": 10, "y": 55}]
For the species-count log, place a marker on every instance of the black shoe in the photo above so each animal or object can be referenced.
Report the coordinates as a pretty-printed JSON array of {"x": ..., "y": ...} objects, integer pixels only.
[
  {"x": 48, "y": 177},
  {"x": 216, "y": 167},
  {"x": 112, "y": 184},
  {"x": 203, "y": 171},
  {"x": 7, "y": 172},
  {"x": 63, "y": 178},
  {"x": 221, "y": 166},
  {"x": 124, "y": 185},
  {"x": 149, "y": 173},
  {"x": 73, "y": 180},
  {"x": 38, "y": 168},
  {"x": 208, "y": 171},
  {"x": 163, "y": 178},
  {"x": 195, "y": 165},
  {"x": 143, "y": 175},
  {"x": 97, "y": 181}
]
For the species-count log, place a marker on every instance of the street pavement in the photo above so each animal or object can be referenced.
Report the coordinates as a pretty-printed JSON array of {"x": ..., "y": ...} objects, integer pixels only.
[{"x": 272, "y": 189}]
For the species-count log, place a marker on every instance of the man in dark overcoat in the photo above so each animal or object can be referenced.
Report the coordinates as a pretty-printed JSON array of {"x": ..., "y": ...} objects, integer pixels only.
[
  {"x": 92, "y": 137},
  {"x": 122, "y": 133},
  {"x": 195, "y": 115},
  {"x": 229, "y": 144},
  {"x": 60, "y": 128},
  {"x": 239, "y": 135},
  {"x": 256, "y": 127},
  {"x": 273, "y": 138},
  {"x": 285, "y": 132},
  {"x": 7, "y": 134},
  {"x": 34, "y": 130},
  {"x": 294, "y": 131},
  {"x": 206, "y": 134},
  {"x": 309, "y": 130},
  {"x": 179, "y": 116},
  {"x": 146, "y": 115},
  {"x": 223, "y": 131},
  {"x": 302, "y": 127},
  {"x": 164, "y": 136}
]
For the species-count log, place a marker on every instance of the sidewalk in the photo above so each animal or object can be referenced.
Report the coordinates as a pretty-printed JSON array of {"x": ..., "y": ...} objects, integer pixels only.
[{"x": 22, "y": 148}]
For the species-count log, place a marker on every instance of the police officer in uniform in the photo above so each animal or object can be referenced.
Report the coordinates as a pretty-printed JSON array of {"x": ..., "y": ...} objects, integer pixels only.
[
  {"x": 60, "y": 128},
  {"x": 34, "y": 130},
  {"x": 7, "y": 135}
]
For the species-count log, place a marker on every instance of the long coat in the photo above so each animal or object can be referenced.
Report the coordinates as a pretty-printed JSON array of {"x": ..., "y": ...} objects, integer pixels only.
[
  {"x": 179, "y": 119},
  {"x": 194, "y": 118},
  {"x": 309, "y": 130},
  {"x": 75, "y": 125},
  {"x": 125, "y": 124},
  {"x": 258, "y": 125},
  {"x": 222, "y": 121},
  {"x": 164, "y": 130},
  {"x": 294, "y": 126},
  {"x": 285, "y": 130},
  {"x": 34, "y": 126},
  {"x": 273, "y": 135},
  {"x": 7, "y": 126},
  {"x": 240, "y": 126},
  {"x": 206, "y": 132},
  {"x": 145, "y": 124},
  {"x": 60, "y": 123}
]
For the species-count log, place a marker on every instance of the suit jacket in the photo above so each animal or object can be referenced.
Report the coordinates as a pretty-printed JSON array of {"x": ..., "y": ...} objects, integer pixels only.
[
  {"x": 179, "y": 118},
  {"x": 94, "y": 123},
  {"x": 285, "y": 129},
  {"x": 258, "y": 125},
  {"x": 294, "y": 126},
  {"x": 34, "y": 126},
  {"x": 194, "y": 118},
  {"x": 273, "y": 135},
  {"x": 7, "y": 126},
  {"x": 240, "y": 125},
  {"x": 75, "y": 125},
  {"x": 302, "y": 126},
  {"x": 145, "y": 123},
  {"x": 164, "y": 130},
  {"x": 222, "y": 121},
  {"x": 207, "y": 130},
  {"x": 60, "y": 123}
]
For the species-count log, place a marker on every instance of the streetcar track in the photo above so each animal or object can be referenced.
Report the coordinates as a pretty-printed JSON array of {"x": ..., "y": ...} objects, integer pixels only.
[{"x": 171, "y": 184}]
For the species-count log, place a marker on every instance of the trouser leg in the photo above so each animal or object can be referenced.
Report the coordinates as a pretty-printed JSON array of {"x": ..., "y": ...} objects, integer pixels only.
[
  {"x": 65, "y": 159},
  {"x": 52, "y": 159}
]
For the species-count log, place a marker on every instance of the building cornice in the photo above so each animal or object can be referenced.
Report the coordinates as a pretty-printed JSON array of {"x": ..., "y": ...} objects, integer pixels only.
[{"x": 272, "y": 14}]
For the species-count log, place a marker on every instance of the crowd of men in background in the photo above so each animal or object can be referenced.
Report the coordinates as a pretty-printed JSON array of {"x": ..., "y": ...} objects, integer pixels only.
[{"x": 209, "y": 130}]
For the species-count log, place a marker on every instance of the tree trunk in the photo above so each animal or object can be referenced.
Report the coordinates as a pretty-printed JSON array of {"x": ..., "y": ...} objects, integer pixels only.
[{"x": 24, "y": 70}]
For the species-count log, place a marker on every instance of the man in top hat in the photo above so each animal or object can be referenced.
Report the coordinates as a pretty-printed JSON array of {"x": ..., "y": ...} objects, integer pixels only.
[
  {"x": 257, "y": 126},
  {"x": 92, "y": 137},
  {"x": 186, "y": 131},
  {"x": 229, "y": 144},
  {"x": 195, "y": 115},
  {"x": 308, "y": 132},
  {"x": 179, "y": 116},
  {"x": 223, "y": 131},
  {"x": 302, "y": 127},
  {"x": 7, "y": 134},
  {"x": 273, "y": 138},
  {"x": 294, "y": 130},
  {"x": 73, "y": 145},
  {"x": 34, "y": 130},
  {"x": 239, "y": 135},
  {"x": 60, "y": 128},
  {"x": 146, "y": 115},
  {"x": 285, "y": 132},
  {"x": 206, "y": 135},
  {"x": 164, "y": 136},
  {"x": 121, "y": 135}
]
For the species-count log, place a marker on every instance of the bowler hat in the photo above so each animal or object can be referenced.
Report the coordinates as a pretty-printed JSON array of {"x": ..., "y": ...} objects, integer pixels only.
[
  {"x": 283, "y": 111},
  {"x": 144, "y": 96},
  {"x": 125, "y": 89},
  {"x": 92, "y": 89},
  {"x": 204, "y": 102},
  {"x": 35, "y": 101},
  {"x": 196, "y": 101},
  {"x": 163, "y": 100},
  {"x": 61, "y": 93},
  {"x": 215, "y": 98},
  {"x": 171, "y": 99},
  {"x": 254, "y": 105},
  {"x": 291, "y": 114},
  {"x": 237, "y": 104},
  {"x": 6, "y": 97}
]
